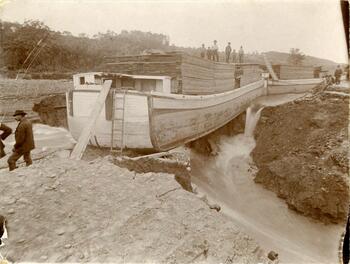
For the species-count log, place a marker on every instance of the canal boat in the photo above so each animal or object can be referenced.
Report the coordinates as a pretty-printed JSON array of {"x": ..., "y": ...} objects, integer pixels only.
[
  {"x": 141, "y": 112},
  {"x": 293, "y": 86}
]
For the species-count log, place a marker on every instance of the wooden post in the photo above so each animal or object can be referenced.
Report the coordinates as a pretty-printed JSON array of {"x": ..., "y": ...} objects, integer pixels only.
[{"x": 95, "y": 113}]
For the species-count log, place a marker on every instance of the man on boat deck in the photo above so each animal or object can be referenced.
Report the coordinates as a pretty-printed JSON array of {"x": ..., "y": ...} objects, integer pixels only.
[
  {"x": 240, "y": 55},
  {"x": 209, "y": 53},
  {"x": 215, "y": 51},
  {"x": 338, "y": 72},
  {"x": 24, "y": 140},
  {"x": 203, "y": 51},
  {"x": 6, "y": 131},
  {"x": 228, "y": 50},
  {"x": 234, "y": 55}
]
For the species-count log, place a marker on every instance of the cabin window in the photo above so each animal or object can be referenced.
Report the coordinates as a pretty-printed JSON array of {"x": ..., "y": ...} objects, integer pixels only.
[
  {"x": 128, "y": 84},
  {"x": 98, "y": 79},
  {"x": 82, "y": 80},
  {"x": 148, "y": 85}
]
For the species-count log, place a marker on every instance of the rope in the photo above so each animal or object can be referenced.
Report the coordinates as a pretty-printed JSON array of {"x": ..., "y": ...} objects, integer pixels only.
[{"x": 37, "y": 52}]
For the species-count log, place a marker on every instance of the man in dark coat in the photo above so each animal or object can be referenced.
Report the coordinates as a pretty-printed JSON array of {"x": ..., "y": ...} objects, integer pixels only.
[
  {"x": 228, "y": 50},
  {"x": 203, "y": 51},
  {"x": 24, "y": 140},
  {"x": 337, "y": 74},
  {"x": 6, "y": 131}
]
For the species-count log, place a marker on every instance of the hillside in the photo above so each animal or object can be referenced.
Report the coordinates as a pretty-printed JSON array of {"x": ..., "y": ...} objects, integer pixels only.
[{"x": 282, "y": 58}]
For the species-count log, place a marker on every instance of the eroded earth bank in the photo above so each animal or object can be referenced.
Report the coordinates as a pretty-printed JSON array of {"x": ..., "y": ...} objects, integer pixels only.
[{"x": 282, "y": 188}]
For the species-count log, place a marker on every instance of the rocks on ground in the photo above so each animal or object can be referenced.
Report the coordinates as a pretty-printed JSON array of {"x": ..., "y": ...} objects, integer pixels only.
[{"x": 83, "y": 211}]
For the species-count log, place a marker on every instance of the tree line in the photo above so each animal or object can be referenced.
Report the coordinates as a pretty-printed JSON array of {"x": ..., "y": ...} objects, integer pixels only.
[{"x": 56, "y": 51}]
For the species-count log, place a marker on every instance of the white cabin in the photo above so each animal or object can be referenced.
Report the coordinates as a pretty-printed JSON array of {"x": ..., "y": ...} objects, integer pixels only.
[{"x": 140, "y": 83}]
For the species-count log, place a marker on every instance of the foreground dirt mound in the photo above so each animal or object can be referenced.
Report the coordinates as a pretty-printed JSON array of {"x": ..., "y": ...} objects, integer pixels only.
[
  {"x": 78, "y": 211},
  {"x": 302, "y": 155}
]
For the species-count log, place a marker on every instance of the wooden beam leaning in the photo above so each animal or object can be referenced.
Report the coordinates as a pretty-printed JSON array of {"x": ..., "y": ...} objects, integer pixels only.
[
  {"x": 85, "y": 135},
  {"x": 269, "y": 67}
]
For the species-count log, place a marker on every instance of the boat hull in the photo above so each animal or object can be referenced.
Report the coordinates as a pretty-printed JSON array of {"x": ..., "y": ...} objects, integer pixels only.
[
  {"x": 158, "y": 122},
  {"x": 178, "y": 120},
  {"x": 136, "y": 124},
  {"x": 293, "y": 86}
]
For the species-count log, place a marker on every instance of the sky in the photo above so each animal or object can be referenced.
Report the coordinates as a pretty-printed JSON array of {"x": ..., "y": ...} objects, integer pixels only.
[{"x": 313, "y": 26}]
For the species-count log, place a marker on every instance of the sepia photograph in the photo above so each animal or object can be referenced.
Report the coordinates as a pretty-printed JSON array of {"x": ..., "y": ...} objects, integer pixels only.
[{"x": 174, "y": 131}]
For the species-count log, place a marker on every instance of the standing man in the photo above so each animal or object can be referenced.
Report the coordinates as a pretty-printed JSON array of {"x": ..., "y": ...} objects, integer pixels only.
[
  {"x": 234, "y": 56},
  {"x": 240, "y": 55},
  {"x": 228, "y": 50},
  {"x": 215, "y": 51},
  {"x": 6, "y": 131},
  {"x": 24, "y": 140},
  {"x": 338, "y": 72},
  {"x": 209, "y": 53},
  {"x": 203, "y": 51}
]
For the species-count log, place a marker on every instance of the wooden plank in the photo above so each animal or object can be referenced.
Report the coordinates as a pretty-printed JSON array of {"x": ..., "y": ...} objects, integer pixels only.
[
  {"x": 95, "y": 113},
  {"x": 269, "y": 68}
]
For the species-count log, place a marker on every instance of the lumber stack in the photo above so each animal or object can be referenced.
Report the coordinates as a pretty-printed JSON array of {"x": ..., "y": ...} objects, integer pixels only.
[
  {"x": 250, "y": 73},
  {"x": 191, "y": 75},
  {"x": 287, "y": 72}
]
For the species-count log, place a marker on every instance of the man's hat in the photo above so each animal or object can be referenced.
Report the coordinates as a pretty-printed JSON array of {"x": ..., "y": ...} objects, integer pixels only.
[{"x": 19, "y": 112}]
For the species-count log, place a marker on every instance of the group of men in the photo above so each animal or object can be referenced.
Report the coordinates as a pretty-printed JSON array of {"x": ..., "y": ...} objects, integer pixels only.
[
  {"x": 212, "y": 53},
  {"x": 24, "y": 140}
]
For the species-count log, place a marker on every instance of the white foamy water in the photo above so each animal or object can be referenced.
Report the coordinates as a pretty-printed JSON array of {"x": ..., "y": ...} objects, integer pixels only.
[
  {"x": 45, "y": 137},
  {"x": 228, "y": 180}
]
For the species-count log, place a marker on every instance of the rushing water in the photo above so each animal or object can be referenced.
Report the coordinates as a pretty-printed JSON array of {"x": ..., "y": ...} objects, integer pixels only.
[
  {"x": 45, "y": 137},
  {"x": 227, "y": 179}
]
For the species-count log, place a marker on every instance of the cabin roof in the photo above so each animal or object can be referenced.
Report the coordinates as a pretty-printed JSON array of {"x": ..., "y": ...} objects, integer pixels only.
[{"x": 105, "y": 74}]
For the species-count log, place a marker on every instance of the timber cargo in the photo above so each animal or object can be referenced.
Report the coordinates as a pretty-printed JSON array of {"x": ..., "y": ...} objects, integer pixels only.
[
  {"x": 190, "y": 75},
  {"x": 291, "y": 72}
]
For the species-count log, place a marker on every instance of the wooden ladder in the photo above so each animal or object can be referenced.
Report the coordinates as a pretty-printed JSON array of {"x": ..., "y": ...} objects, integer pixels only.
[{"x": 118, "y": 107}]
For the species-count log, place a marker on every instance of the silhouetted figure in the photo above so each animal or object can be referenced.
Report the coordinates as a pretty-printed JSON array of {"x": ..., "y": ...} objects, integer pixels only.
[
  {"x": 234, "y": 56},
  {"x": 346, "y": 243},
  {"x": 209, "y": 53},
  {"x": 228, "y": 50},
  {"x": 24, "y": 140},
  {"x": 203, "y": 51},
  {"x": 6, "y": 131},
  {"x": 240, "y": 55},
  {"x": 337, "y": 74},
  {"x": 215, "y": 51}
]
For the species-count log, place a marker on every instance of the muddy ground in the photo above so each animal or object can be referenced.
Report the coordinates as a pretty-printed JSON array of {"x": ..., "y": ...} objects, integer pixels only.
[
  {"x": 22, "y": 94},
  {"x": 302, "y": 154},
  {"x": 83, "y": 211}
]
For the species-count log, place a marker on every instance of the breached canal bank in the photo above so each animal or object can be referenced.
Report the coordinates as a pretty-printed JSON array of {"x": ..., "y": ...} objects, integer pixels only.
[
  {"x": 99, "y": 254},
  {"x": 302, "y": 155}
]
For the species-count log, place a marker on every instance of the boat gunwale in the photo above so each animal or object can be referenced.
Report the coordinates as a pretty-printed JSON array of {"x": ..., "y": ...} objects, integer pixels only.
[{"x": 178, "y": 96}]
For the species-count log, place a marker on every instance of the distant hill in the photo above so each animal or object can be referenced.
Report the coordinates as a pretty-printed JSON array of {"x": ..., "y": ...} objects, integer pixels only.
[
  {"x": 276, "y": 57},
  {"x": 282, "y": 58}
]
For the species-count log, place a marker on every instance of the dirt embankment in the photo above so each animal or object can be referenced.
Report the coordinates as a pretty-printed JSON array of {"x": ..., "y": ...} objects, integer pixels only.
[
  {"x": 302, "y": 155},
  {"x": 23, "y": 94},
  {"x": 79, "y": 211}
]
